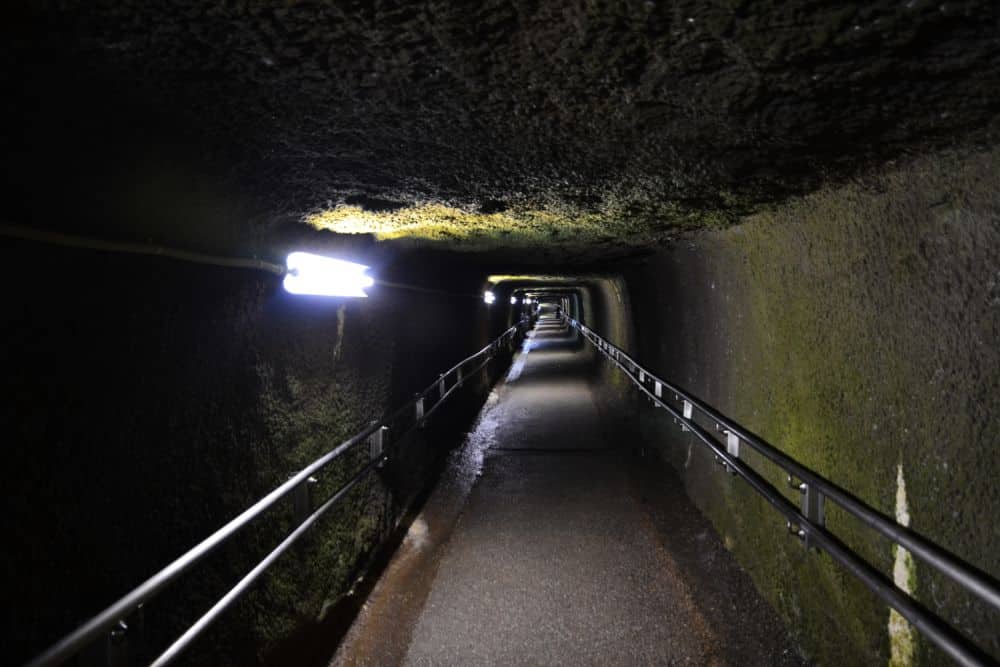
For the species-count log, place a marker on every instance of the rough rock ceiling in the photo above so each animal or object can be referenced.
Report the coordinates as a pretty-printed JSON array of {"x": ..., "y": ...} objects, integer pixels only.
[{"x": 594, "y": 126}]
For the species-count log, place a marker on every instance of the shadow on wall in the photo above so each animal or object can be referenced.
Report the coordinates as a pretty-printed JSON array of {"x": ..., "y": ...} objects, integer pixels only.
[
  {"x": 146, "y": 402},
  {"x": 856, "y": 330},
  {"x": 607, "y": 307}
]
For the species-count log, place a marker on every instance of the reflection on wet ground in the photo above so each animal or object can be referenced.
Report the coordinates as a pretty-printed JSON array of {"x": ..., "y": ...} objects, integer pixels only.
[{"x": 545, "y": 544}]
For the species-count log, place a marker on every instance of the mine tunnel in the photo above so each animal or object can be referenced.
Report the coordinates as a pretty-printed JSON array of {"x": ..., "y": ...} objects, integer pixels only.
[{"x": 530, "y": 332}]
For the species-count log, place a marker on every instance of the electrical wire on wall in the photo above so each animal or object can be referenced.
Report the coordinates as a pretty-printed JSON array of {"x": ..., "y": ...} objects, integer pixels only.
[{"x": 73, "y": 241}]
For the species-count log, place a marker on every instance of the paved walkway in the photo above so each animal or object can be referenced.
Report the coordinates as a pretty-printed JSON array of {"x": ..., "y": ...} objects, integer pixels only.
[{"x": 550, "y": 543}]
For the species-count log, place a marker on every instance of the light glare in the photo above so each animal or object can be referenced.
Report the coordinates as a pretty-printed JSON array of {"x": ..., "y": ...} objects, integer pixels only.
[
  {"x": 513, "y": 300},
  {"x": 489, "y": 297},
  {"x": 325, "y": 276}
]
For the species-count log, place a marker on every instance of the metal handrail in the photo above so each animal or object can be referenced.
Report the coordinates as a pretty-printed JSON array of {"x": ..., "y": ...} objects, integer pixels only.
[
  {"x": 103, "y": 622},
  {"x": 808, "y": 523}
]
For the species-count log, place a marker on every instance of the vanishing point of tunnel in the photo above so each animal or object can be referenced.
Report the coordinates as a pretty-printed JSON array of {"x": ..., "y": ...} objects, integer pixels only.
[{"x": 527, "y": 332}]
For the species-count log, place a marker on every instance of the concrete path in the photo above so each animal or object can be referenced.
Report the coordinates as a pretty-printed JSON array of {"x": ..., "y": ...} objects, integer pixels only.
[{"x": 549, "y": 542}]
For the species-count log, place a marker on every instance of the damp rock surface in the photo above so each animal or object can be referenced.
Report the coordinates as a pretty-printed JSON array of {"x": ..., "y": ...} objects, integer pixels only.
[{"x": 601, "y": 128}]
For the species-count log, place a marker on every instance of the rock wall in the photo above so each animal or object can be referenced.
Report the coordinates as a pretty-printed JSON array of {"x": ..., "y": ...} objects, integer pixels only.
[
  {"x": 568, "y": 130},
  {"x": 145, "y": 402},
  {"x": 856, "y": 329}
]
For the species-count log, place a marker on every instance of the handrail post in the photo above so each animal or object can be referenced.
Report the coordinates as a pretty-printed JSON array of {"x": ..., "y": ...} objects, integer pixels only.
[
  {"x": 813, "y": 509},
  {"x": 441, "y": 387},
  {"x": 302, "y": 498},
  {"x": 732, "y": 446},
  {"x": 376, "y": 445},
  {"x": 419, "y": 408}
]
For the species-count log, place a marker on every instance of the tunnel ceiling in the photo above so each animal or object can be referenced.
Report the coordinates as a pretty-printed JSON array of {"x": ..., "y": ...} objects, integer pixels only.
[{"x": 596, "y": 128}]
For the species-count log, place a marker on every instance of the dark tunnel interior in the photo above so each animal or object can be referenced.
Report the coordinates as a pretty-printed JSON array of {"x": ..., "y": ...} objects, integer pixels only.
[{"x": 789, "y": 209}]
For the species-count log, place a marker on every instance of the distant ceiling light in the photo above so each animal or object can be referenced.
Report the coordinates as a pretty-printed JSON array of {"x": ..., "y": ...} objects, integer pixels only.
[
  {"x": 489, "y": 297},
  {"x": 325, "y": 276},
  {"x": 513, "y": 300},
  {"x": 527, "y": 300}
]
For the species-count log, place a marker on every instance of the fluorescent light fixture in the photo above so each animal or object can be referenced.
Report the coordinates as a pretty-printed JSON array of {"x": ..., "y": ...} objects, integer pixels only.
[
  {"x": 513, "y": 300},
  {"x": 489, "y": 297},
  {"x": 325, "y": 276}
]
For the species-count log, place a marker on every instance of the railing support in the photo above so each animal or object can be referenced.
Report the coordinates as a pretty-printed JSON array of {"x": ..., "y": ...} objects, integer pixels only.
[
  {"x": 813, "y": 510},
  {"x": 302, "y": 499},
  {"x": 733, "y": 444},
  {"x": 732, "y": 447},
  {"x": 376, "y": 445}
]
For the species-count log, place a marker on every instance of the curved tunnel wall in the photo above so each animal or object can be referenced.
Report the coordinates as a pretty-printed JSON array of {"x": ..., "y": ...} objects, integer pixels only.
[
  {"x": 855, "y": 329},
  {"x": 602, "y": 302},
  {"x": 147, "y": 401}
]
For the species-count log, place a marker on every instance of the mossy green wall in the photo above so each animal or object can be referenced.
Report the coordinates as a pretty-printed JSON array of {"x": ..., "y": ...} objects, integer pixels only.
[{"x": 856, "y": 329}]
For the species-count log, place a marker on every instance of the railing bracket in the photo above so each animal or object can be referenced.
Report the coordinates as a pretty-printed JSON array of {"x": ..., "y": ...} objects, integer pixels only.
[
  {"x": 118, "y": 648},
  {"x": 795, "y": 530}
]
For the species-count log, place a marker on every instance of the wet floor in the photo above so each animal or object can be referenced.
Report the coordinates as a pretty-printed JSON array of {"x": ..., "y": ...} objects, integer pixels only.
[{"x": 549, "y": 542}]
